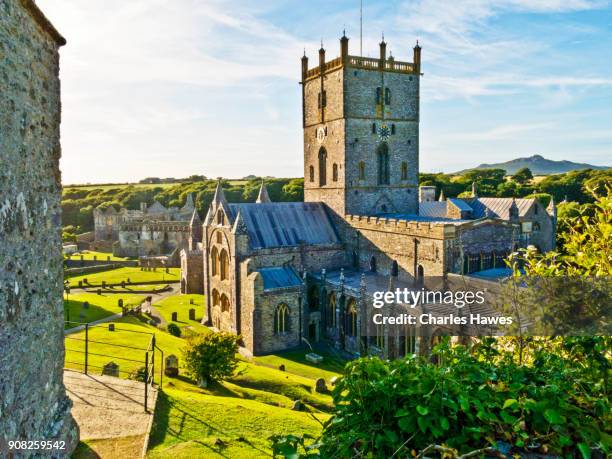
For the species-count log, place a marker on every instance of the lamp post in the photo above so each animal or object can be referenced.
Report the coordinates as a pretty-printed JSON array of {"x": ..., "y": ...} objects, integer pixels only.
[{"x": 67, "y": 305}]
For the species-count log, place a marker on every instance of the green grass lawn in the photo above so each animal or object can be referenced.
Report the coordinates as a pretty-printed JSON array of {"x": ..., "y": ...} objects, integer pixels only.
[
  {"x": 135, "y": 275},
  {"x": 231, "y": 419},
  {"x": 90, "y": 254},
  {"x": 295, "y": 362},
  {"x": 100, "y": 306},
  {"x": 181, "y": 304}
]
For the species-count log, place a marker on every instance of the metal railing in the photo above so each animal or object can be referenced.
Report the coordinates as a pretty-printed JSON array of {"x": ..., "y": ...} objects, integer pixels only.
[{"x": 148, "y": 360}]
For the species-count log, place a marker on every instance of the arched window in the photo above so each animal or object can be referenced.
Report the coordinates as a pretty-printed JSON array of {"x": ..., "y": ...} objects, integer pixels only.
[
  {"x": 404, "y": 170},
  {"x": 387, "y": 96},
  {"x": 351, "y": 318},
  {"x": 331, "y": 310},
  {"x": 393, "y": 129},
  {"x": 219, "y": 237},
  {"x": 420, "y": 275},
  {"x": 335, "y": 172},
  {"x": 225, "y": 303},
  {"x": 281, "y": 319},
  {"x": 215, "y": 297},
  {"x": 214, "y": 261},
  {"x": 322, "y": 166},
  {"x": 224, "y": 264},
  {"x": 220, "y": 217},
  {"x": 373, "y": 128},
  {"x": 311, "y": 173},
  {"x": 383, "y": 164},
  {"x": 361, "y": 170}
]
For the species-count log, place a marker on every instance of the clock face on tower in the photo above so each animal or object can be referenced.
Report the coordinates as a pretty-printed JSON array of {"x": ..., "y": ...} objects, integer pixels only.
[{"x": 384, "y": 132}]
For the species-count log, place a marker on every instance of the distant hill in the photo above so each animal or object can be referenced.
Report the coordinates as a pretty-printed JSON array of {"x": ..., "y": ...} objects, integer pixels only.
[{"x": 538, "y": 166}]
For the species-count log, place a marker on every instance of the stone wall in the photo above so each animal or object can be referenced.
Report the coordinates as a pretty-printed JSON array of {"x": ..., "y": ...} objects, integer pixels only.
[
  {"x": 33, "y": 402},
  {"x": 192, "y": 271}
]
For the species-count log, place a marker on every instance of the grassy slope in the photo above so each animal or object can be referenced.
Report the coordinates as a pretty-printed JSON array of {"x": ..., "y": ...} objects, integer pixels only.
[
  {"x": 181, "y": 305},
  {"x": 100, "y": 306},
  {"x": 122, "y": 274},
  {"x": 232, "y": 419}
]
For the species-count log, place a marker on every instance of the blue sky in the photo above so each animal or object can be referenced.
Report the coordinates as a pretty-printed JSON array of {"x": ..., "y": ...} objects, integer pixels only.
[{"x": 180, "y": 87}]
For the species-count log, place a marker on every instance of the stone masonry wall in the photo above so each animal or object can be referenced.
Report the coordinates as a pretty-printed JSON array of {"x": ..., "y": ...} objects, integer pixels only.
[{"x": 33, "y": 401}]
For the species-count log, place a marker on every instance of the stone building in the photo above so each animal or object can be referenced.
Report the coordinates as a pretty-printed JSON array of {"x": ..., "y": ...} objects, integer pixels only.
[
  {"x": 33, "y": 401},
  {"x": 281, "y": 273},
  {"x": 154, "y": 231}
]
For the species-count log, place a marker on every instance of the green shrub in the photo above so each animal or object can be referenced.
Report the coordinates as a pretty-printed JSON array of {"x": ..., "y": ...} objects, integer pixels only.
[
  {"x": 174, "y": 330},
  {"x": 211, "y": 357}
]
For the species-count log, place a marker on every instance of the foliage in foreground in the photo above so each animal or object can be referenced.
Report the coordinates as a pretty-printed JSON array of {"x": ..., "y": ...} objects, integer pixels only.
[
  {"x": 211, "y": 357},
  {"x": 475, "y": 400}
]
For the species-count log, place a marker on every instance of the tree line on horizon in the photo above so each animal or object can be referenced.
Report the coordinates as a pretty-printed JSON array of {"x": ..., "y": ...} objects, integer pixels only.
[{"x": 78, "y": 203}]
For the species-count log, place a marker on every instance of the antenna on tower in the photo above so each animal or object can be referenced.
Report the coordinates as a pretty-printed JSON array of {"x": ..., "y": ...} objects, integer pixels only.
[{"x": 361, "y": 27}]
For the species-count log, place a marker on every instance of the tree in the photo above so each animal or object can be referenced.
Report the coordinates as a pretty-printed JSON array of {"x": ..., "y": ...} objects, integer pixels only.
[
  {"x": 211, "y": 357},
  {"x": 523, "y": 176}
]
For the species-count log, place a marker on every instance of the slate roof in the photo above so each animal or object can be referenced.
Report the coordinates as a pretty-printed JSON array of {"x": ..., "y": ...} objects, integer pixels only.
[
  {"x": 279, "y": 277},
  {"x": 500, "y": 207},
  {"x": 461, "y": 204},
  {"x": 286, "y": 224},
  {"x": 433, "y": 209}
]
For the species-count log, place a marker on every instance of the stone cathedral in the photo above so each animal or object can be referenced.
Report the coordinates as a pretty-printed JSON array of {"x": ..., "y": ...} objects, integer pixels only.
[{"x": 279, "y": 273}]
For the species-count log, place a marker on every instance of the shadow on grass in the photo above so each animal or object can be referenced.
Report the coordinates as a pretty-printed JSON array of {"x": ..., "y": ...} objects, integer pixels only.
[
  {"x": 84, "y": 451},
  {"x": 73, "y": 309}
]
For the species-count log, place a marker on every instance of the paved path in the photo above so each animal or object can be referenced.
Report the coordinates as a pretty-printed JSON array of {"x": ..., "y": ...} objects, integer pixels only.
[{"x": 108, "y": 407}]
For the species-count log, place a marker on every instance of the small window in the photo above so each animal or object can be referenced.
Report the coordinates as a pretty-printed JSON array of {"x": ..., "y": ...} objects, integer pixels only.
[
  {"x": 378, "y": 96},
  {"x": 387, "y": 96},
  {"x": 535, "y": 210},
  {"x": 219, "y": 238},
  {"x": 220, "y": 217},
  {"x": 361, "y": 170},
  {"x": 335, "y": 172},
  {"x": 404, "y": 171},
  {"x": 324, "y": 98},
  {"x": 373, "y": 128},
  {"x": 311, "y": 173},
  {"x": 225, "y": 303},
  {"x": 319, "y": 101},
  {"x": 224, "y": 265},
  {"x": 393, "y": 129}
]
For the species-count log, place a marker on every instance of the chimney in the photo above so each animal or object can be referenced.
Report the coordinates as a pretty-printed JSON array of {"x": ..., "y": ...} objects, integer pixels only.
[{"x": 383, "y": 52}]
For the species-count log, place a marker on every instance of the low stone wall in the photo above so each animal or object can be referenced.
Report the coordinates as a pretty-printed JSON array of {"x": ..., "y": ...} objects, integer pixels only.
[{"x": 88, "y": 263}]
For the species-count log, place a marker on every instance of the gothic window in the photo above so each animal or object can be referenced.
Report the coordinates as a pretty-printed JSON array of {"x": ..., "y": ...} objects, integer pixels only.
[
  {"x": 335, "y": 172},
  {"x": 387, "y": 96},
  {"x": 225, "y": 303},
  {"x": 220, "y": 217},
  {"x": 393, "y": 129},
  {"x": 404, "y": 170},
  {"x": 373, "y": 128},
  {"x": 215, "y": 297},
  {"x": 322, "y": 166},
  {"x": 219, "y": 238},
  {"x": 331, "y": 311},
  {"x": 535, "y": 210},
  {"x": 378, "y": 96},
  {"x": 361, "y": 170},
  {"x": 383, "y": 164},
  {"x": 224, "y": 264},
  {"x": 281, "y": 319},
  {"x": 214, "y": 261},
  {"x": 351, "y": 318},
  {"x": 312, "y": 173}
]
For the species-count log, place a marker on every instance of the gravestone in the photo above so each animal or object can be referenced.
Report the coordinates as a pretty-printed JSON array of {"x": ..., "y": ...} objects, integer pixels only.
[
  {"x": 171, "y": 368},
  {"x": 191, "y": 301},
  {"x": 192, "y": 314},
  {"x": 281, "y": 367},
  {"x": 297, "y": 405},
  {"x": 82, "y": 258},
  {"x": 103, "y": 284},
  {"x": 99, "y": 292},
  {"x": 108, "y": 258},
  {"x": 167, "y": 270},
  {"x": 80, "y": 284},
  {"x": 174, "y": 316},
  {"x": 85, "y": 304},
  {"x": 111, "y": 327},
  {"x": 85, "y": 281},
  {"x": 111, "y": 369},
  {"x": 320, "y": 386},
  {"x": 129, "y": 281},
  {"x": 95, "y": 257},
  {"x": 120, "y": 302},
  {"x": 122, "y": 284}
]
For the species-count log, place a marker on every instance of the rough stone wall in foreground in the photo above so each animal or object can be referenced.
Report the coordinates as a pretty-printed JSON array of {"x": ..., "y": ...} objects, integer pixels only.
[{"x": 33, "y": 401}]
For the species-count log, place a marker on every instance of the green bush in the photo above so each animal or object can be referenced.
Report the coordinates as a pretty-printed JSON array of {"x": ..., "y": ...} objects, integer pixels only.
[
  {"x": 174, "y": 330},
  {"x": 211, "y": 357}
]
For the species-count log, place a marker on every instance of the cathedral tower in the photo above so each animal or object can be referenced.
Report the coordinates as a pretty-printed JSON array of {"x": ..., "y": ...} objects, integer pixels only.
[{"x": 361, "y": 132}]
